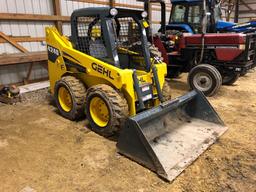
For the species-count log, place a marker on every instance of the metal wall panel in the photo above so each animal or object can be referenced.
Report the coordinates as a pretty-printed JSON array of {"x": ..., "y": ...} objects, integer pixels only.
[
  {"x": 26, "y": 6},
  {"x": 68, "y": 6},
  {"x": 14, "y": 74},
  {"x": 24, "y": 28}
]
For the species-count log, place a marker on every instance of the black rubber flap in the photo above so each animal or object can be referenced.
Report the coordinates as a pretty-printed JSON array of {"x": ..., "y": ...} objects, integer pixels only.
[{"x": 167, "y": 138}]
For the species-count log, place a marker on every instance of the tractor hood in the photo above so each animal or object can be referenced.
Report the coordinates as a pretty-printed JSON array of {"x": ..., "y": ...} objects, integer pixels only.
[
  {"x": 236, "y": 27},
  {"x": 220, "y": 25}
]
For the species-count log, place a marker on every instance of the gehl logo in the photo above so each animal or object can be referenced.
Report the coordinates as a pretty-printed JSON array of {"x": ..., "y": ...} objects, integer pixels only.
[{"x": 102, "y": 70}]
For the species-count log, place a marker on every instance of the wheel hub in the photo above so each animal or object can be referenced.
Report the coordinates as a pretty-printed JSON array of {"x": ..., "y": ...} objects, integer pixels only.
[
  {"x": 202, "y": 81},
  {"x": 99, "y": 111},
  {"x": 65, "y": 99}
]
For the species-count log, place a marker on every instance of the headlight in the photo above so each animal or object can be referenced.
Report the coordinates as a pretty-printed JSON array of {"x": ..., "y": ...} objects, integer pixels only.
[
  {"x": 144, "y": 14},
  {"x": 113, "y": 12},
  {"x": 242, "y": 47}
]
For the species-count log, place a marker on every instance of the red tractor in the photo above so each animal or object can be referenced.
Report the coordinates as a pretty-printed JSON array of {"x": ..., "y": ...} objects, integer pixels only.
[{"x": 212, "y": 59}]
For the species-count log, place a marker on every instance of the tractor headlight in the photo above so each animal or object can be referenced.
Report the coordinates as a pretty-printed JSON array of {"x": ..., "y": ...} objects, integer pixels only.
[
  {"x": 242, "y": 47},
  {"x": 113, "y": 12},
  {"x": 144, "y": 14}
]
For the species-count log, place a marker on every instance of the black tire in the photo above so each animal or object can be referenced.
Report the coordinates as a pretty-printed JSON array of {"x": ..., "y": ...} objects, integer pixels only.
[
  {"x": 205, "y": 78},
  {"x": 153, "y": 50},
  {"x": 243, "y": 73},
  {"x": 166, "y": 91},
  {"x": 173, "y": 72},
  {"x": 77, "y": 91},
  {"x": 229, "y": 79},
  {"x": 117, "y": 107}
]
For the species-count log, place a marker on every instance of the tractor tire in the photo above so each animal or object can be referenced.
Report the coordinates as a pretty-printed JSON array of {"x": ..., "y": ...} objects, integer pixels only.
[
  {"x": 106, "y": 109},
  {"x": 69, "y": 94},
  {"x": 173, "y": 73},
  {"x": 153, "y": 50},
  {"x": 243, "y": 73},
  {"x": 205, "y": 78},
  {"x": 230, "y": 79},
  {"x": 166, "y": 91}
]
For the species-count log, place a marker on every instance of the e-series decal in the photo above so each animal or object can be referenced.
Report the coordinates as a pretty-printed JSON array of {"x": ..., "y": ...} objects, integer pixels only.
[
  {"x": 102, "y": 70},
  {"x": 53, "y": 53}
]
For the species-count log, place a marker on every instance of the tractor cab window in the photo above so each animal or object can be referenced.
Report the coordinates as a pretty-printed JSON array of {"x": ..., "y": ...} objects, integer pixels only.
[
  {"x": 217, "y": 12},
  {"x": 178, "y": 13},
  {"x": 90, "y": 38},
  {"x": 194, "y": 17}
]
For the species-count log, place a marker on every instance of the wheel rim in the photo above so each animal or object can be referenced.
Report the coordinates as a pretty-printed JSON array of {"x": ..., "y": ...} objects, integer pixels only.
[
  {"x": 202, "y": 81},
  {"x": 65, "y": 99},
  {"x": 99, "y": 111}
]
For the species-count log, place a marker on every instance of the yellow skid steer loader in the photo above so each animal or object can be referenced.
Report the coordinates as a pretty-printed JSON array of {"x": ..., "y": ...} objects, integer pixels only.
[{"x": 105, "y": 70}]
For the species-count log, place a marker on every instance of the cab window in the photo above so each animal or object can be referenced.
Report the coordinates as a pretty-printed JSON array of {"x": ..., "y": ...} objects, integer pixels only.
[
  {"x": 178, "y": 14},
  {"x": 194, "y": 17}
]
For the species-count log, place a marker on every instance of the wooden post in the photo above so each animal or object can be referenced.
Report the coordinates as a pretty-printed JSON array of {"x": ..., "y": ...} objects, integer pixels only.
[
  {"x": 236, "y": 11},
  {"x": 57, "y": 12},
  {"x": 112, "y": 3},
  {"x": 230, "y": 9}
]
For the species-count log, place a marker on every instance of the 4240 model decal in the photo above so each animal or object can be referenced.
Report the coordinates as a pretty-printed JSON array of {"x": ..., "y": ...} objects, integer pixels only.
[{"x": 53, "y": 53}]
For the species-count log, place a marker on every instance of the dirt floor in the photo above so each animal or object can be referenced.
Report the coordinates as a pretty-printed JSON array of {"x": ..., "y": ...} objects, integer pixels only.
[{"x": 41, "y": 151}]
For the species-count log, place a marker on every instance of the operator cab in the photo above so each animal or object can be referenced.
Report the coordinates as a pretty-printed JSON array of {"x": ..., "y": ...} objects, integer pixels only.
[
  {"x": 115, "y": 36},
  {"x": 187, "y": 15}
]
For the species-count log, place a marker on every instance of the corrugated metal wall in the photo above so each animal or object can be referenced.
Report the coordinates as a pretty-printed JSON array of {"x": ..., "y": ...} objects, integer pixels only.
[{"x": 23, "y": 28}]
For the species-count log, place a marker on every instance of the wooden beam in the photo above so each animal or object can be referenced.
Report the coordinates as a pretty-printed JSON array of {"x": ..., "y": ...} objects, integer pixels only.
[
  {"x": 122, "y": 4},
  {"x": 246, "y": 5},
  {"x": 20, "y": 58},
  {"x": 22, "y": 49},
  {"x": 32, "y": 17},
  {"x": 247, "y": 11},
  {"x": 31, "y": 81},
  {"x": 57, "y": 11},
  {"x": 14, "y": 43},
  {"x": 23, "y": 39},
  {"x": 249, "y": 3},
  {"x": 39, "y": 17}
]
